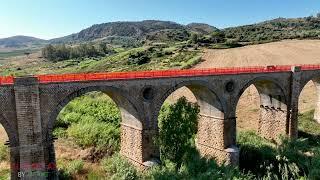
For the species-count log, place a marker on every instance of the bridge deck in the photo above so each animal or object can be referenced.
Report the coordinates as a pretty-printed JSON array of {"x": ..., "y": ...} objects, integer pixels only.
[{"x": 48, "y": 78}]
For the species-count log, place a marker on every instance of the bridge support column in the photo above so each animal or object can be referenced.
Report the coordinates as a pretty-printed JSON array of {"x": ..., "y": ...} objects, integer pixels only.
[
  {"x": 294, "y": 109},
  {"x": 31, "y": 150},
  {"x": 272, "y": 123},
  {"x": 216, "y": 139},
  {"x": 137, "y": 145}
]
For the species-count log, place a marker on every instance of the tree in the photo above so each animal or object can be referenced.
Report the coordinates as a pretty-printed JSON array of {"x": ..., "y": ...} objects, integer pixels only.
[
  {"x": 48, "y": 52},
  {"x": 194, "y": 38},
  {"x": 309, "y": 18},
  {"x": 178, "y": 123},
  {"x": 217, "y": 36}
]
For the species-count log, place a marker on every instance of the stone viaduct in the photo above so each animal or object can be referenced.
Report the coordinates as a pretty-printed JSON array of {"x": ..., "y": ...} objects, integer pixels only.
[{"x": 30, "y": 105}]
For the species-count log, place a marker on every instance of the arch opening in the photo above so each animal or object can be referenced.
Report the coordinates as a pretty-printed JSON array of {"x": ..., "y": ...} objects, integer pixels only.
[
  {"x": 5, "y": 155},
  {"x": 262, "y": 107},
  {"x": 9, "y": 153},
  {"x": 92, "y": 124},
  {"x": 213, "y": 134},
  {"x": 309, "y": 109}
]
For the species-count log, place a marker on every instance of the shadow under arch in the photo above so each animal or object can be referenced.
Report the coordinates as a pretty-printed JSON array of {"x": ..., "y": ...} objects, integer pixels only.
[{"x": 273, "y": 118}]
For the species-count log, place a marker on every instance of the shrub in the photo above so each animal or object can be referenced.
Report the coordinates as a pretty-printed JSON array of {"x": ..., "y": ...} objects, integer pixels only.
[
  {"x": 69, "y": 169},
  {"x": 177, "y": 124},
  {"x": 119, "y": 168},
  {"x": 195, "y": 167},
  {"x": 4, "y": 153},
  {"x": 281, "y": 169},
  {"x": 4, "y": 174},
  {"x": 138, "y": 58},
  {"x": 93, "y": 133},
  {"x": 60, "y": 132},
  {"x": 95, "y": 106},
  {"x": 292, "y": 159}
]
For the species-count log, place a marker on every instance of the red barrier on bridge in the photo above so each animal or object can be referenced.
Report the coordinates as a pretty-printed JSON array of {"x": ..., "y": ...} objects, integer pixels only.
[
  {"x": 6, "y": 80},
  {"x": 158, "y": 74}
]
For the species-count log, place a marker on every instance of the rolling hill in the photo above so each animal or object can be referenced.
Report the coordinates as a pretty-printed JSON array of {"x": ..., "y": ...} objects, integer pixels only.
[
  {"x": 136, "y": 30},
  {"x": 155, "y": 30},
  {"x": 277, "y": 29},
  {"x": 20, "y": 42}
]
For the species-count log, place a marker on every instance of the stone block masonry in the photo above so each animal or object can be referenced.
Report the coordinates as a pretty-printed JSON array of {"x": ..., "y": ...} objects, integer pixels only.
[{"x": 29, "y": 109}]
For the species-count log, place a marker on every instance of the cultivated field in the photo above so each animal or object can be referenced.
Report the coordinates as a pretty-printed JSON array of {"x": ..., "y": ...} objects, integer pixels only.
[{"x": 277, "y": 53}]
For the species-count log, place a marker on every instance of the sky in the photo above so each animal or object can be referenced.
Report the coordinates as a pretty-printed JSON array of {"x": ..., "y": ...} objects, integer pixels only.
[{"x": 55, "y": 18}]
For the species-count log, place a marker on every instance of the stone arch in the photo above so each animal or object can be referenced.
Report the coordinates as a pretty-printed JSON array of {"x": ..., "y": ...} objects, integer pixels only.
[
  {"x": 265, "y": 85},
  {"x": 315, "y": 79},
  {"x": 131, "y": 122},
  {"x": 216, "y": 134},
  {"x": 128, "y": 107},
  {"x": 200, "y": 89},
  {"x": 273, "y": 118},
  {"x": 10, "y": 130}
]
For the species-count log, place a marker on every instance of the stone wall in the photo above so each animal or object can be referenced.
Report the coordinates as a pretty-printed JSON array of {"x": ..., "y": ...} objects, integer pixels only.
[{"x": 28, "y": 111}]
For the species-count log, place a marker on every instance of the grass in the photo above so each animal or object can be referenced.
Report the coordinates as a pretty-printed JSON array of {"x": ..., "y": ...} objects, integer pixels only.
[
  {"x": 4, "y": 174},
  {"x": 171, "y": 57},
  {"x": 307, "y": 124},
  {"x": 67, "y": 169},
  {"x": 19, "y": 52}
]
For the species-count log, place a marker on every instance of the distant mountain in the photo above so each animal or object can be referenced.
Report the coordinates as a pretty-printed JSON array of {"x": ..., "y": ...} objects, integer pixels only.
[
  {"x": 141, "y": 30},
  {"x": 277, "y": 29},
  {"x": 20, "y": 42},
  {"x": 201, "y": 28},
  {"x": 133, "y": 33}
]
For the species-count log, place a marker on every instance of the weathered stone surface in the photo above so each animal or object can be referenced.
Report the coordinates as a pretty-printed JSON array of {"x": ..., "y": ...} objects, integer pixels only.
[
  {"x": 28, "y": 111},
  {"x": 272, "y": 123}
]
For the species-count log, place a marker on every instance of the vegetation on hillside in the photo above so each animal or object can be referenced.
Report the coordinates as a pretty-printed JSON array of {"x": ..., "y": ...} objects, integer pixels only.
[
  {"x": 135, "y": 30},
  {"x": 277, "y": 29},
  {"x": 86, "y": 50}
]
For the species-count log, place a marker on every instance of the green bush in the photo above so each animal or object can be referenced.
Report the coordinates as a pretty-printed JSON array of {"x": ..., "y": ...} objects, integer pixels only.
[
  {"x": 195, "y": 167},
  {"x": 178, "y": 124},
  {"x": 68, "y": 169},
  {"x": 292, "y": 159},
  {"x": 4, "y": 153},
  {"x": 4, "y": 174},
  {"x": 119, "y": 168},
  {"x": 60, "y": 132},
  {"x": 88, "y": 133},
  {"x": 92, "y": 106}
]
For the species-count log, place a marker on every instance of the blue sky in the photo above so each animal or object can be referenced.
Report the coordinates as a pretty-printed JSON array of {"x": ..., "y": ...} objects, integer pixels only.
[{"x": 49, "y": 19}]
